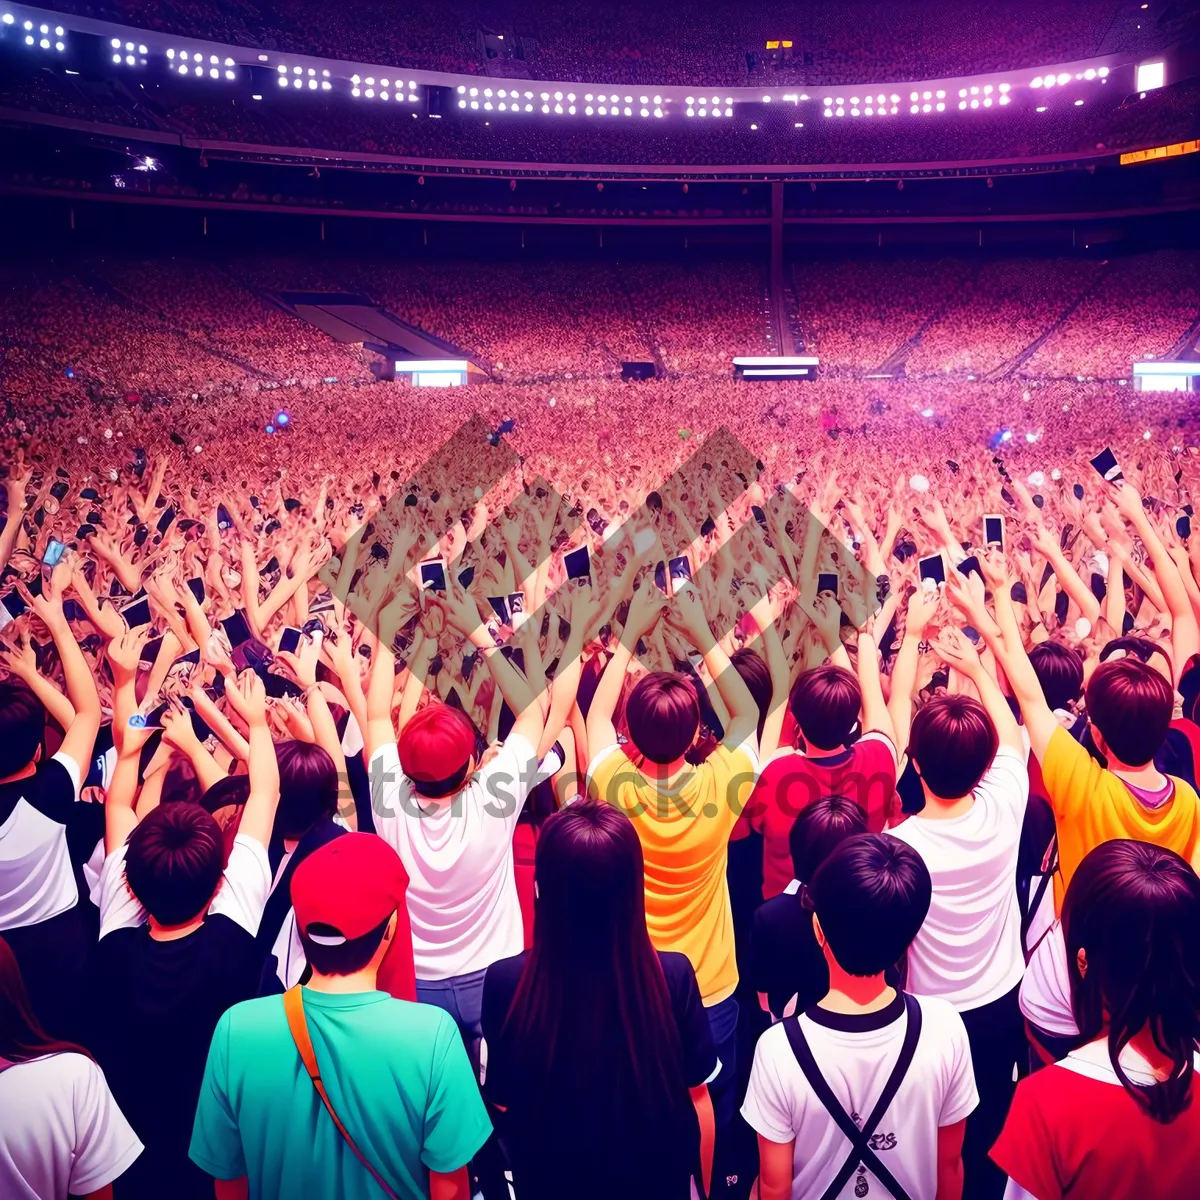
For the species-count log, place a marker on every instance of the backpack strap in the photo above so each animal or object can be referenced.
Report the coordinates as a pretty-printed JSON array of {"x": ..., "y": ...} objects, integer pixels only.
[
  {"x": 860, "y": 1150},
  {"x": 293, "y": 1006}
]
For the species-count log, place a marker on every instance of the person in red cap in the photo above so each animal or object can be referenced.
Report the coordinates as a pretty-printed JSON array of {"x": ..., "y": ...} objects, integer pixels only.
[
  {"x": 451, "y": 818},
  {"x": 336, "y": 1089}
]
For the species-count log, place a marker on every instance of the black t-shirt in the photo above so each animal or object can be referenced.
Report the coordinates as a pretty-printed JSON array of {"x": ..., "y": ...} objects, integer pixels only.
[
  {"x": 548, "y": 1167},
  {"x": 785, "y": 960},
  {"x": 157, "y": 1004}
]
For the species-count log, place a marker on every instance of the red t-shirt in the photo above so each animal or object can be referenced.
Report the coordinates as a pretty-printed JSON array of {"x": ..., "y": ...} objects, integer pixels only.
[
  {"x": 1083, "y": 1136},
  {"x": 865, "y": 773}
]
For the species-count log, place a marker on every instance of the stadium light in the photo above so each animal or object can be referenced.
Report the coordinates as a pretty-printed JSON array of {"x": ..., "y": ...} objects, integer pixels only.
[{"x": 7, "y": 18}]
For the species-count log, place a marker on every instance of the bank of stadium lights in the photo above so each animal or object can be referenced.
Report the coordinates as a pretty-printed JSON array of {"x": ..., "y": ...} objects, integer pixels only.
[
  {"x": 1050, "y": 79},
  {"x": 705, "y": 106},
  {"x": 383, "y": 88},
  {"x": 127, "y": 53},
  {"x": 880, "y": 105},
  {"x": 41, "y": 36},
  {"x": 196, "y": 65},
  {"x": 558, "y": 103}
]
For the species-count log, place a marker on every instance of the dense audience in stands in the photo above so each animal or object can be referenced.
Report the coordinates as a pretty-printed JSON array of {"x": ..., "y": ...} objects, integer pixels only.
[
  {"x": 718, "y": 43},
  {"x": 589, "y": 788}
]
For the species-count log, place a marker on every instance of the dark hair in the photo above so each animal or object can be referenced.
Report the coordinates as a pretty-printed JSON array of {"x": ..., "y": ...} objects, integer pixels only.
[
  {"x": 870, "y": 895},
  {"x": 952, "y": 743},
  {"x": 22, "y": 726},
  {"x": 174, "y": 860},
  {"x": 663, "y": 715},
  {"x": 345, "y": 958},
  {"x": 821, "y": 827},
  {"x": 1141, "y": 648},
  {"x": 1059, "y": 670},
  {"x": 591, "y": 1019},
  {"x": 308, "y": 787},
  {"x": 825, "y": 703},
  {"x": 751, "y": 666},
  {"x": 22, "y": 1037},
  {"x": 233, "y": 789},
  {"x": 1130, "y": 703},
  {"x": 1134, "y": 910}
]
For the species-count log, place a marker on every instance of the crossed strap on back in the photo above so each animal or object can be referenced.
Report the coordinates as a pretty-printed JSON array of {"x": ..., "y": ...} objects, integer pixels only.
[
  {"x": 293, "y": 1006},
  {"x": 860, "y": 1150}
]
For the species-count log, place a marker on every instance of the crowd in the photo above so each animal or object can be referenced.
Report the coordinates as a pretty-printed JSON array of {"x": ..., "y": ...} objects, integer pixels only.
[
  {"x": 829, "y": 827},
  {"x": 721, "y": 44}
]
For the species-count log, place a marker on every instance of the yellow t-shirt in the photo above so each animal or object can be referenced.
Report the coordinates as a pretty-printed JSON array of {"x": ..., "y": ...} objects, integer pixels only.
[
  {"x": 1092, "y": 806},
  {"x": 684, "y": 831}
]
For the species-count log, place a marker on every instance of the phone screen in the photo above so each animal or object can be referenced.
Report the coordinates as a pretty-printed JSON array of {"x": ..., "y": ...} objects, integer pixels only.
[
  {"x": 660, "y": 576},
  {"x": 500, "y": 608},
  {"x": 932, "y": 568},
  {"x": 237, "y": 629},
  {"x": 137, "y": 612},
  {"x": 578, "y": 564},
  {"x": 54, "y": 552},
  {"x": 1106, "y": 466},
  {"x": 516, "y": 602},
  {"x": 289, "y": 640},
  {"x": 196, "y": 587},
  {"x": 680, "y": 570},
  {"x": 827, "y": 581},
  {"x": 969, "y": 564},
  {"x": 993, "y": 531},
  {"x": 164, "y": 522},
  {"x": 433, "y": 575}
]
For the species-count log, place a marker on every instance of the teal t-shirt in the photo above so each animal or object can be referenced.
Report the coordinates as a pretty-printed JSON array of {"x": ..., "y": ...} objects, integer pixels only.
[{"x": 396, "y": 1073}]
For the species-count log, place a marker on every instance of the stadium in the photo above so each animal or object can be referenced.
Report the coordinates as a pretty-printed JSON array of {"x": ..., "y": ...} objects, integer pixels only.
[{"x": 599, "y": 601}]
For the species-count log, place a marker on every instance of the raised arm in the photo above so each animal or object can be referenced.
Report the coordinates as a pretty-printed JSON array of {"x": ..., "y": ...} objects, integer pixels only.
[
  {"x": 249, "y": 698},
  {"x": 921, "y": 607}
]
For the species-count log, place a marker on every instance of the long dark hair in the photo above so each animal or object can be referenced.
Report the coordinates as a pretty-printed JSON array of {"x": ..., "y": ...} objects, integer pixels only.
[
  {"x": 1134, "y": 910},
  {"x": 591, "y": 1020},
  {"x": 22, "y": 1037}
]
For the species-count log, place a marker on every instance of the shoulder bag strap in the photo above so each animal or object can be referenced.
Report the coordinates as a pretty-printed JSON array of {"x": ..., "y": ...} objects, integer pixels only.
[{"x": 293, "y": 1006}]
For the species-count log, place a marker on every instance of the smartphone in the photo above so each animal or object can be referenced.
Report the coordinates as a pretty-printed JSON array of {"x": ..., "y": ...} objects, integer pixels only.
[
  {"x": 680, "y": 571},
  {"x": 184, "y": 663},
  {"x": 237, "y": 628},
  {"x": 11, "y": 607},
  {"x": 500, "y": 608},
  {"x": 660, "y": 576},
  {"x": 1183, "y": 526},
  {"x": 709, "y": 527},
  {"x": 932, "y": 569},
  {"x": 993, "y": 531},
  {"x": 54, "y": 552},
  {"x": 579, "y": 564},
  {"x": 516, "y": 602},
  {"x": 969, "y": 564},
  {"x": 59, "y": 490},
  {"x": 1106, "y": 466},
  {"x": 196, "y": 587},
  {"x": 89, "y": 493},
  {"x": 137, "y": 612},
  {"x": 433, "y": 575},
  {"x": 827, "y": 581},
  {"x": 164, "y": 522},
  {"x": 150, "y": 650},
  {"x": 289, "y": 640},
  {"x": 972, "y": 634},
  {"x": 224, "y": 520}
]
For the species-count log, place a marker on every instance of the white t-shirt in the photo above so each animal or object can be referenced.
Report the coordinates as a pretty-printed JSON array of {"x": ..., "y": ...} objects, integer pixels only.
[
  {"x": 1046, "y": 988},
  {"x": 462, "y": 893},
  {"x": 968, "y": 950},
  {"x": 856, "y": 1054},
  {"x": 241, "y": 894},
  {"x": 60, "y": 1130},
  {"x": 36, "y": 880}
]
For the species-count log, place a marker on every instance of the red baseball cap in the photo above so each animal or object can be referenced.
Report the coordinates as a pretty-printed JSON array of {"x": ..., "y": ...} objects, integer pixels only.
[
  {"x": 436, "y": 744},
  {"x": 352, "y": 884}
]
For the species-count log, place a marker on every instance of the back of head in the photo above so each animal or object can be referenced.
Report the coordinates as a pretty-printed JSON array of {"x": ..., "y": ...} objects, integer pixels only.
[
  {"x": 1144, "y": 649},
  {"x": 22, "y": 726},
  {"x": 308, "y": 787},
  {"x": 870, "y": 895},
  {"x": 752, "y": 668},
  {"x": 952, "y": 743},
  {"x": 21, "y": 1034},
  {"x": 819, "y": 829},
  {"x": 173, "y": 862},
  {"x": 1130, "y": 704},
  {"x": 663, "y": 716},
  {"x": 1133, "y": 909},
  {"x": 435, "y": 749},
  {"x": 1060, "y": 672},
  {"x": 825, "y": 703}
]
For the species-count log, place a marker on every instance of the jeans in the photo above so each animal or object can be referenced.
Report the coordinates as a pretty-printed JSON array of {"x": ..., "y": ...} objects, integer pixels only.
[
  {"x": 462, "y": 997},
  {"x": 996, "y": 1032},
  {"x": 723, "y": 1021}
]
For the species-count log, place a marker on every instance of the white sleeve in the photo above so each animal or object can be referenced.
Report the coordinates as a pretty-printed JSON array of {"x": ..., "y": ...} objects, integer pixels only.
[
  {"x": 72, "y": 768},
  {"x": 289, "y": 952},
  {"x": 505, "y": 783},
  {"x": 387, "y": 780},
  {"x": 597, "y": 759},
  {"x": 1045, "y": 995},
  {"x": 352, "y": 739},
  {"x": 92, "y": 870},
  {"x": 960, "y": 1096},
  {"x": 105, "y": 1145},
  {"x": 119, "y": 908},
  {"x": 245, "y": 885},
  {"x": 768, "y": 1108},
  {"x": 1007, "y": 780}
]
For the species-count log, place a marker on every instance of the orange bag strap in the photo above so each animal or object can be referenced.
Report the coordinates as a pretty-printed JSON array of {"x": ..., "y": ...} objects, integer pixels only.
[{"x": 293, "y": 1007}]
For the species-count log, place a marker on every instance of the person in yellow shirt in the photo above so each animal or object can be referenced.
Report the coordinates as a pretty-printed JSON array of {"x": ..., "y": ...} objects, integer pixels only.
[
  {"x": 683, "y": 814},
  {"x": 1129, "y": 706}
]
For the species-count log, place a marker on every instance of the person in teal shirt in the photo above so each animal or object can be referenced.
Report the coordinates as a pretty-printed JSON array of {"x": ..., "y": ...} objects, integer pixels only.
[{"x": 396, "y": 1073}]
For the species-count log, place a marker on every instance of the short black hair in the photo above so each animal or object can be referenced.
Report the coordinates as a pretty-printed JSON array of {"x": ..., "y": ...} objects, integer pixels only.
[
  {"x": 952, "y": 743},
  {"x": 173, "y": 861},
  {"x": 819, "y": 829},
  {"x": 346, "y": 957},
  {"x": 1060, "y": 672},
  {"x": 871, "y": 895},
  {"x": 825, "y": 703},
  {"x": 22, "y": 726},
  {"x": 308, "y": 787}
]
